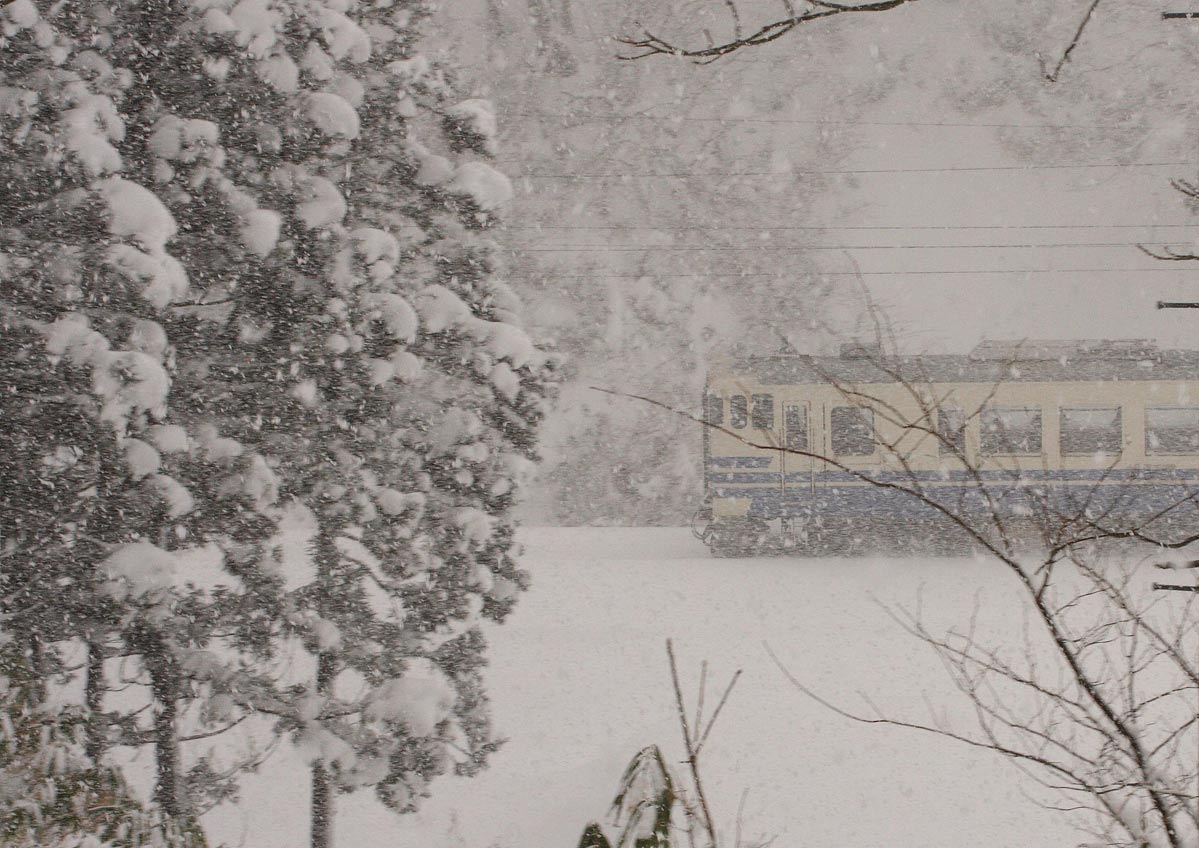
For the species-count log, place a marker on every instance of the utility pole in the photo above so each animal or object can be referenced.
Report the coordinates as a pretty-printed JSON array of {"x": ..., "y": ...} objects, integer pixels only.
[
  {"x": 1165, "y": 304},
  {"x": 1178, "y": 304},
  {"x": 1174, "y": 587}
]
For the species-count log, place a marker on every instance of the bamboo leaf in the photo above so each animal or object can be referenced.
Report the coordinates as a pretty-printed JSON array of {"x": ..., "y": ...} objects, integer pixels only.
[{"x": 593, "y": 837}]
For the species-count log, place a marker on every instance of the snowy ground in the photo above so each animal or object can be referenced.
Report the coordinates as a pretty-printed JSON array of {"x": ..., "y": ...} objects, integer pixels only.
[{"x": 579, "y": 682}]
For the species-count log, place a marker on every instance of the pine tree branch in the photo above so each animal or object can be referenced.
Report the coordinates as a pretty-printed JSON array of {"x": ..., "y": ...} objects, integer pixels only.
[{"x": 211, "y": 733}]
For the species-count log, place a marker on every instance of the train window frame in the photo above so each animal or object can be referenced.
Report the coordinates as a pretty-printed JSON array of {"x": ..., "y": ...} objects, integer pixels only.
[
  {"x": 955, "y": 434},
  {"x": 788, "y": 431},
  {"x": 837, "y": 431},
  {"x": 984, "y": 447},
  {"x": 1118, "y": 432},
  {"x": 738, "y": 411},
  {"x": 1150, "y": 450},
  {"x": 761, "y": 411},
  {"x": 713, "y": 410}
]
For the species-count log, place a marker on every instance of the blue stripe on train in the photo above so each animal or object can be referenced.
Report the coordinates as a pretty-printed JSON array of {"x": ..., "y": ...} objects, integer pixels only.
[
  {"x": 741, "y": 461},
  {"x": 1116, "y": 504},
  {"x": 1028, "y": 476}
]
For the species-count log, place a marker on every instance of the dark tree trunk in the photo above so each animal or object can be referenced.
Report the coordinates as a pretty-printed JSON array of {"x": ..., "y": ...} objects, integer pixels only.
[
  {"x": 322, "y": 780},
  {"x": 37, "y": 671},
  {"x": 166, "y": 756},
  {"x": 165, "y": 687},
  {"x": 322, "y": 807},
  {"x": 93, "y": 700}
]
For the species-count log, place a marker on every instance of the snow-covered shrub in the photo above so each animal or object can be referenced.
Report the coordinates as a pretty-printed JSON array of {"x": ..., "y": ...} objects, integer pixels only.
[{"x": 647, "y": 811}]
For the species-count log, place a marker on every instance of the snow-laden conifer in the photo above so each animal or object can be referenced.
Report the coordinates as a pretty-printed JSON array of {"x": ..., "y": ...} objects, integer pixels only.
[
  {"x": 345, "y": 327},
  {"x": 259, "y": 277},
  {"x": 104, "y": 485}
]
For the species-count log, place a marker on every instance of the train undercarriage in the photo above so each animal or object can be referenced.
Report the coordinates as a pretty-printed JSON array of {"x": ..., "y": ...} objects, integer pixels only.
[{"x": 752, "y": 537}]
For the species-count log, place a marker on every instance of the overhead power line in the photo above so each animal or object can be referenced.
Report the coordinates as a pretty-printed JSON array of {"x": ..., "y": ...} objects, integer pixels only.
[
  {"x": 797, "y": 171},
  {"x": 831, "y": 227},
  {"x": 683, "y": 119},
  {"x": 598, "y": 248},
  {"x": 815, "y": 273}
]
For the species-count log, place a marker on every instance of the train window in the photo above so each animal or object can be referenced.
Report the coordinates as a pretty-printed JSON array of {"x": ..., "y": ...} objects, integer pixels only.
[
  {"x": 1010, "y": 431},
  {"x": 1172, "y": 430},
  {"x": 852, "y": 430},
  {"x": 795, "y": 419},
  {"x": 763, "y": 412},
  {"x": 714, "y": 410},
  {"x": 951, "y": 425},
  {"x": 1086, "y": 431},
  {"x": 738, "y": 411}
]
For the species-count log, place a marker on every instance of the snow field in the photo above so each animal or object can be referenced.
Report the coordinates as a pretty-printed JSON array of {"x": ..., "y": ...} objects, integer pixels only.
[{"x": 579, "y": 682}]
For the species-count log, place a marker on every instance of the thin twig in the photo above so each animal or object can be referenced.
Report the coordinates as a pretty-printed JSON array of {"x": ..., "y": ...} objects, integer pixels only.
[
  {"x": 736, "y": 18},
  {"x": 740, "y": 814},
  {"x": 692, "y": 753},
  {"x": 1052, "y": 77},
  {"x": 720, "y": 706},
  {"x": 652, "y": 45}
]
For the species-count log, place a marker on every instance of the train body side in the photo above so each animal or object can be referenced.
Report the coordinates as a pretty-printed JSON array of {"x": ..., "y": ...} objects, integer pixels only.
[{"x": 793, "y": 451}]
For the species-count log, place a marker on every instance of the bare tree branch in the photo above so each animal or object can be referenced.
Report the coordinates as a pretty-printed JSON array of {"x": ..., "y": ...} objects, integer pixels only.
[
  {"x": 1167, "y": 254},
  {"x": 1086, "y": 19},
  {"x": 691, "y": 744},
  {"x": 1095, "y": 709},
  {"x": 736, "y": 18},
  {"x": 728, "y": 690},
  {"x": 651, "y": 45}
]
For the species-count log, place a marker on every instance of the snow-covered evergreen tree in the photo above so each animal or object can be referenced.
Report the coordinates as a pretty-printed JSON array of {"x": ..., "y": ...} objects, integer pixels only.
[
  {"x": 261, "y": 270},
  {"x": 387, "y": 375},
  {"x": 100, "y": 488}
]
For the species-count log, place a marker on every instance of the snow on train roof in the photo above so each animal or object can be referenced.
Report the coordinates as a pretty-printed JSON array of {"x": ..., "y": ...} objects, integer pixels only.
[{"x": 1007, "y": 361}]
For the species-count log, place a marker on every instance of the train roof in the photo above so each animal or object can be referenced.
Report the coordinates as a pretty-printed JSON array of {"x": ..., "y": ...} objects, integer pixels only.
[{"x": 1049, "y": 361}]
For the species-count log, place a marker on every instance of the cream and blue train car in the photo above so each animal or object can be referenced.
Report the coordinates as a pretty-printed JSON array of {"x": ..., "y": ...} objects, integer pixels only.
[{"x": 1104, "y": 432}]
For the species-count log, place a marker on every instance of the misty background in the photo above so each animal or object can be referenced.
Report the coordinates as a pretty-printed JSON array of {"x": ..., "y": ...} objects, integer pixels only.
[{"x": 667, "y": 212}]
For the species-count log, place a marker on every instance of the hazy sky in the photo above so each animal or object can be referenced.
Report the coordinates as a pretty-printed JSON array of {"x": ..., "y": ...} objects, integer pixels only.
[
  {"x": 959, "y": 77},
  {"x": 1115, "y": 297}
]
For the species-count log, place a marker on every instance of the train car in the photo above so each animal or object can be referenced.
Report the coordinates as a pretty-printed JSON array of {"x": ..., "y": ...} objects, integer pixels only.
[{"x": 814, "y": 453}]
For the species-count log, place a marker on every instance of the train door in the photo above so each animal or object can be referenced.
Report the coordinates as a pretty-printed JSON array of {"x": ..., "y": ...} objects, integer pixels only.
[
  {"x": 796, "y": 437},
  {"x": 796, "y": 427}
]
